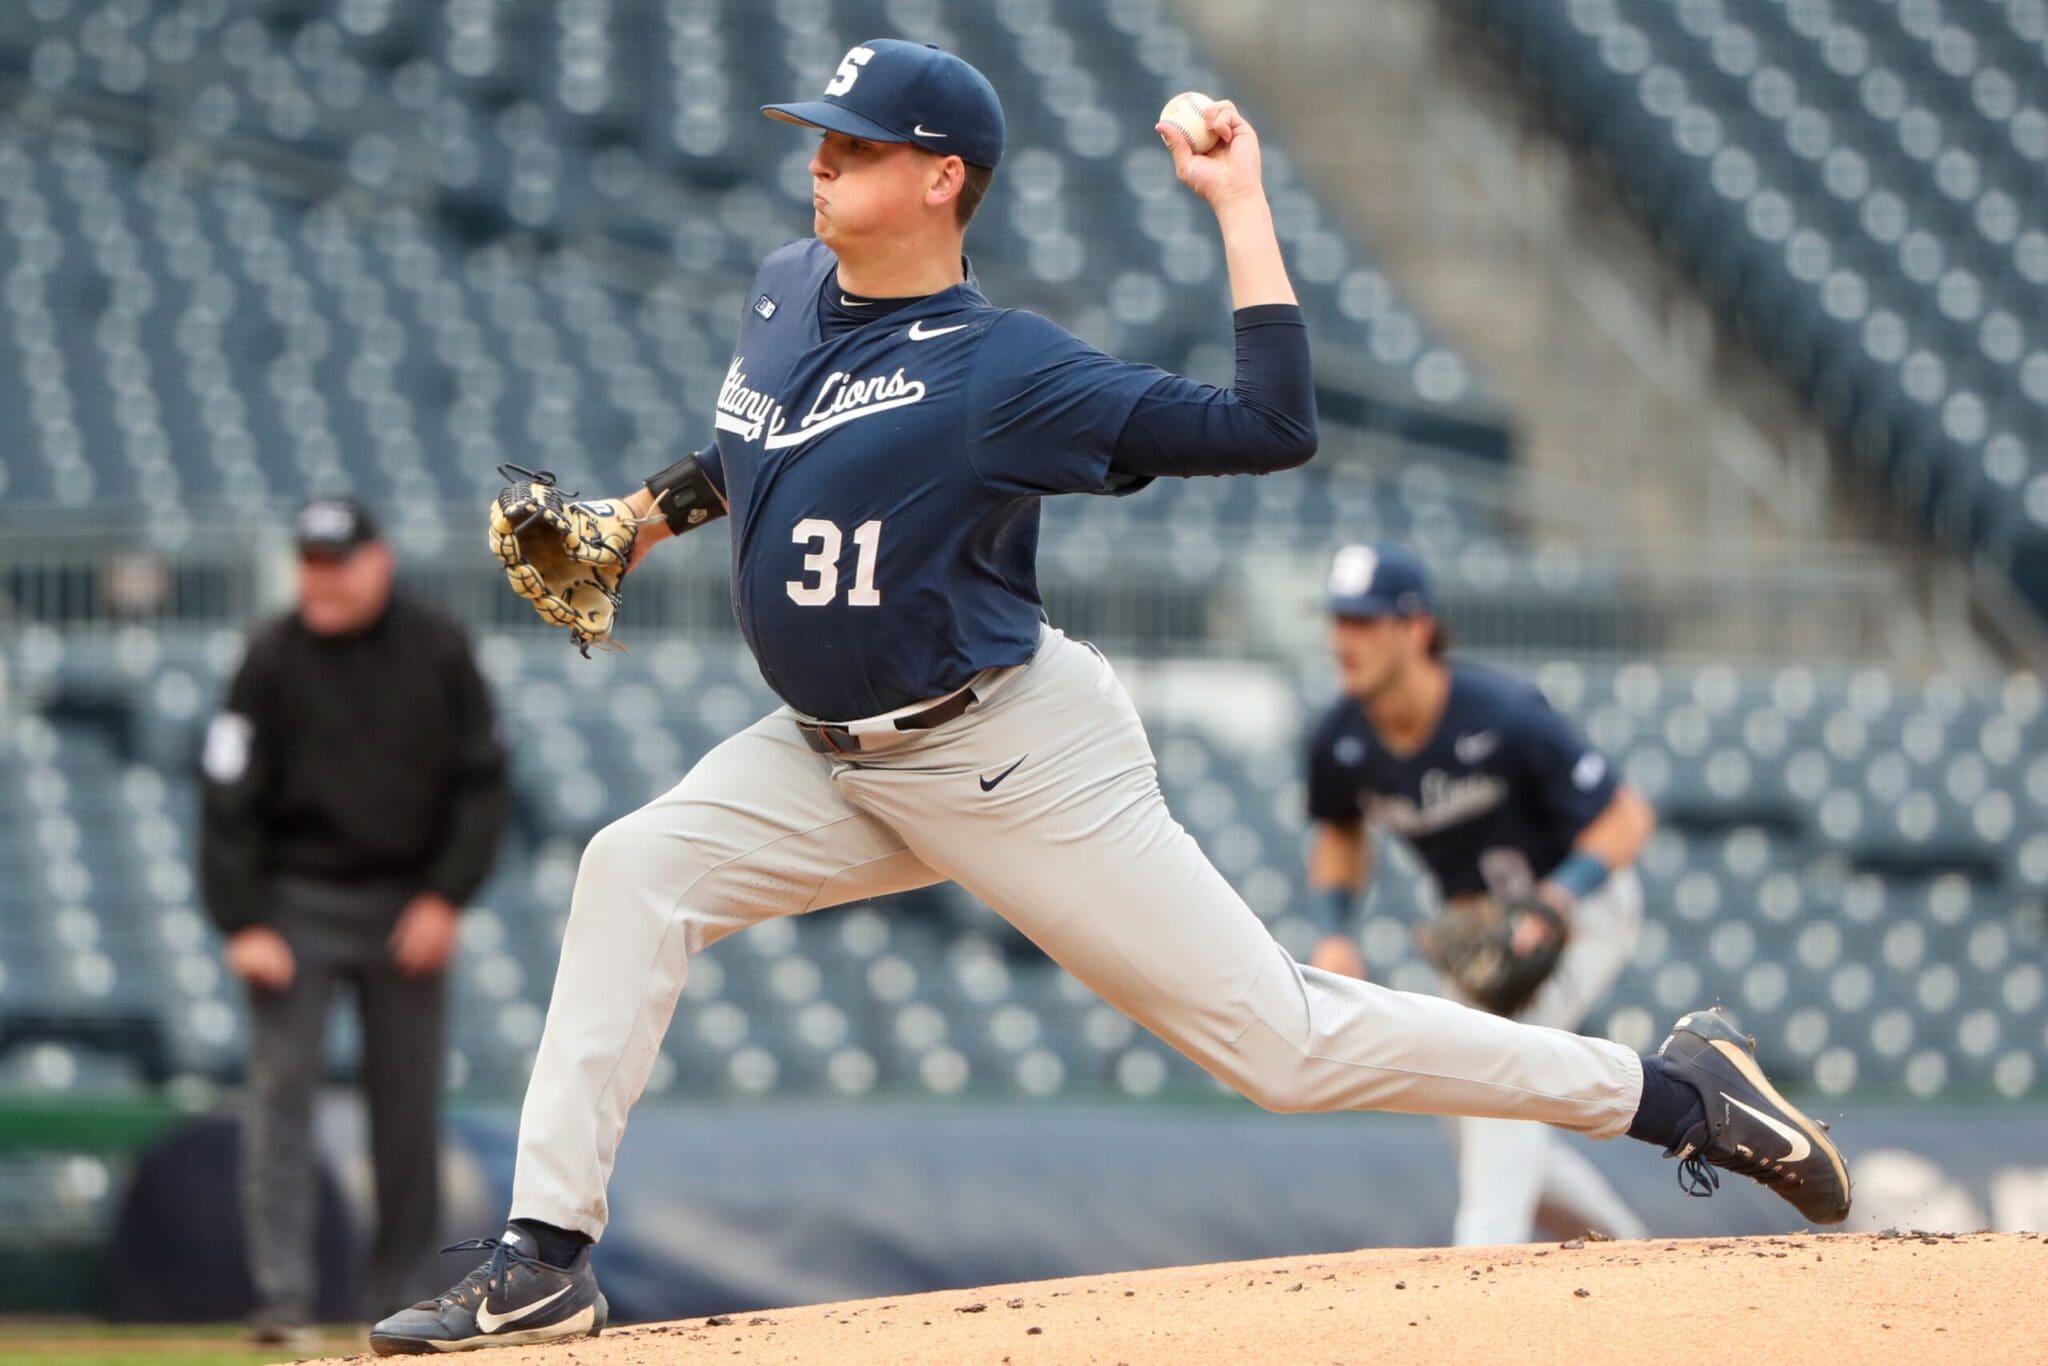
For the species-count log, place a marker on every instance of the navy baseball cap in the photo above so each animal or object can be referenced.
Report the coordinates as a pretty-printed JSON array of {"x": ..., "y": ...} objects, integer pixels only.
[
  {"x": 332, "y": 528},
  {"x": 887, "y": 90},
  {"x": 1378, "y": 581}
]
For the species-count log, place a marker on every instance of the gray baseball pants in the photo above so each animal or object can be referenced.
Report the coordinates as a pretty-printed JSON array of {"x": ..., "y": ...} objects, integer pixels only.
[
  {"x": 1506, "y": 1168},
  {"x": 338, "y": 937},
  {"x": 1075, "y": 848}
]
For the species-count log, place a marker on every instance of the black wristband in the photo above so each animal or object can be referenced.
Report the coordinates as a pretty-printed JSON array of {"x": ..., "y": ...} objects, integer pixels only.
[
  {"x": 1252, "y": 315},
  {"x": 685, "y": 495}
]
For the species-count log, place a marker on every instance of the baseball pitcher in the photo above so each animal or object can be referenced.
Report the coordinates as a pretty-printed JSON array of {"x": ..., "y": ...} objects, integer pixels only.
[{"x": 884, "y": 436}]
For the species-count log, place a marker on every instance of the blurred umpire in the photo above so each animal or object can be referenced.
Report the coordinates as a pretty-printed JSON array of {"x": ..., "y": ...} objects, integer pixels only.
[
  {"x": 353, "y": 792},
  {"x": 1527, "y": 831}
]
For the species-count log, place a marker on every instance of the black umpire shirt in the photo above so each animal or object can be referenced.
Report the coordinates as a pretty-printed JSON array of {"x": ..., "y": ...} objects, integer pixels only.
[{"x": 364, "y": 759}]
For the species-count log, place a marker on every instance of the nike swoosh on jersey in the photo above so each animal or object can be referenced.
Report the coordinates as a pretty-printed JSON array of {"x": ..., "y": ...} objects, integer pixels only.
[
  {"x": 488, "y": 1322},
  {"x": 1472, "y": 748},
  {"x": 924, "y": 132},
  {"x": 1801, "y": 1149},
  {"x": 856, "y": 303},
  {"x": 989, "y": 784},
  {"x": 927, "y": 333}
]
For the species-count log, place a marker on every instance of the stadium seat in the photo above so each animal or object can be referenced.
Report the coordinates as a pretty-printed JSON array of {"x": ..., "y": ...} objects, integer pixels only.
[
  {"x": 1874, "y": 925},
  {"x": 1857, "y": 188}
]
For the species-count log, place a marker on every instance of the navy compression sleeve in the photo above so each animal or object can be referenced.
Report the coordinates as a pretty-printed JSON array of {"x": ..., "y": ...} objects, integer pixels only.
[{"x": 1266, "y": 422}]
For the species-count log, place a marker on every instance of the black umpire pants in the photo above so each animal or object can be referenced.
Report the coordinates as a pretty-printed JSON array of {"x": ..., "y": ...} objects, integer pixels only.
[{"x": 338, "y": 937}]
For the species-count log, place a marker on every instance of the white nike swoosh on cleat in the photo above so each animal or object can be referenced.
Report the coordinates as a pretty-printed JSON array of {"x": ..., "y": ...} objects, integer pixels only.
[
  {"x": 491, "y": 1323},
  {"x": 1801, "y": 1149},
  {"x": 919, "y": 332}
]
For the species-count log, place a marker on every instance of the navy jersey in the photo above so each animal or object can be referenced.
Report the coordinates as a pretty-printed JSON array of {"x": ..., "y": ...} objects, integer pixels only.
[
  {"x": 1493, "y": 800},
  {"x": 884, "y": 483}
]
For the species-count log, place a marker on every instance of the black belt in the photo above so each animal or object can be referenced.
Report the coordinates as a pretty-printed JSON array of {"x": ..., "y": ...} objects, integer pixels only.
[{"x": 827, "y": 738}]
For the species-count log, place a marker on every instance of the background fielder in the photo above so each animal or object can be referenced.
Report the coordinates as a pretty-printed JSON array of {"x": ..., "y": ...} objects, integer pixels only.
[
  {"x": 884, "y": 436},
  {"x": 1498, "y": 796}
]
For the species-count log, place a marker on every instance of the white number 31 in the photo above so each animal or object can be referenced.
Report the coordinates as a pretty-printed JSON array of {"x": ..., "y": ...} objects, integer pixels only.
[{"x": 822, "y": 564}]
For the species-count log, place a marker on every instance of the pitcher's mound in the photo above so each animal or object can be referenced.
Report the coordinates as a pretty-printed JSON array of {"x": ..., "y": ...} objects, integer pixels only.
[{"x": 1811, "y": 1297}]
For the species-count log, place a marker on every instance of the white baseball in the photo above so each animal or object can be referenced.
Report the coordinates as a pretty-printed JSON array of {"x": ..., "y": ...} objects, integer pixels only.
[{"x": 1184, "y": 111}]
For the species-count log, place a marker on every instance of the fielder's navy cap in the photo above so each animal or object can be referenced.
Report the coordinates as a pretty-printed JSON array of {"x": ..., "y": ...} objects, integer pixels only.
[
  {"x": 1378, "y": 581},
  {"x": 330, "y": 528},
  {"x": 887, "y": 90}
]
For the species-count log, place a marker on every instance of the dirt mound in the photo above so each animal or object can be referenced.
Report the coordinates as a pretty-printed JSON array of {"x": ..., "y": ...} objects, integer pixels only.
[{"x": 1817, "y": 1297}]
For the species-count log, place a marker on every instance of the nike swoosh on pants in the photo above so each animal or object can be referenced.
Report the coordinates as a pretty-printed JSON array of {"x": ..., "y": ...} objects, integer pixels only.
[{"x": 989, "y": 784}]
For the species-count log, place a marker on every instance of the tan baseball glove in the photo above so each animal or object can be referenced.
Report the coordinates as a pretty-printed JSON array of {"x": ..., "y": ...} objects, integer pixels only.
[
  {"x": 1472, "y": 943},
  {"x": 564, "y": 557}
]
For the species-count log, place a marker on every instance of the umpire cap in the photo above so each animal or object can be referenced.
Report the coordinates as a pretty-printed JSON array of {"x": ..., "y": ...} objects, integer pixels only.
[
  {"x": 332, "y": 528},
  {"x": 887, "y": 90},
  {"x": 1369, "y": 581}
]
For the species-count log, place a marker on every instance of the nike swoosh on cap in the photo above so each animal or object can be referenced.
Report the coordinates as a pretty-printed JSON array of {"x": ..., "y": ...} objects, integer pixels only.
[
  {"x": 921, "y": 131},
  {"x": 919, "y": 332},
  {"x": 488, "y": 1322}
]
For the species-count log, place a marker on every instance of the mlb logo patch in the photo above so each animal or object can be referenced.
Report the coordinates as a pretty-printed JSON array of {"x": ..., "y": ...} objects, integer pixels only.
[{"x": 765, "y": 306}]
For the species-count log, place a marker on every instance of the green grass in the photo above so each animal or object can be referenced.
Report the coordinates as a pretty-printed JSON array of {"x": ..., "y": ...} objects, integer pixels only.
[{"x": 83, "y": 1342}]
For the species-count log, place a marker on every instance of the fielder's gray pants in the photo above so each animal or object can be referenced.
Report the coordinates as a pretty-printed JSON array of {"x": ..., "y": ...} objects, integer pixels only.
[
  {"x": 1507, "y": 1168},
  {"x": 338, "y": 937},
  {"x": 1076, "y": 849}
]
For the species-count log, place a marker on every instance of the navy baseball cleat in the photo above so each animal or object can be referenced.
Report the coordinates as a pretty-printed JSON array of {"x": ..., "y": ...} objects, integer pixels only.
[
  {"x": 1749, "y": 1128},
  {"x": 511, "y": 1299}
]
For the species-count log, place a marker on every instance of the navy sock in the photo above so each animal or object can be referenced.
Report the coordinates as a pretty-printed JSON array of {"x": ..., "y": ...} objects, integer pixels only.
[
  {"x": 1669, "y": 1106},
  {"x": 556, "y": 1246}
]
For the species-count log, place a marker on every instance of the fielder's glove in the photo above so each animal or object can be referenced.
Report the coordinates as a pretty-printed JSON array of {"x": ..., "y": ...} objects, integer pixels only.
[
  {"x": 1472, "y": 943},
  {"x": 566, "y": 558}
]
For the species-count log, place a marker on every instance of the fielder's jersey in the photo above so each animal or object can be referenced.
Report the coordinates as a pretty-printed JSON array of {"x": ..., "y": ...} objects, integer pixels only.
[
  {"x": 1493, "y": 800},
  {"x": 884, "y": 483}
]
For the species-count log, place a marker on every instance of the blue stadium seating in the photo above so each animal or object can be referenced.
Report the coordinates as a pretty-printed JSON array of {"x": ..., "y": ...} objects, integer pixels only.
[
  {"x": 224, "y": 341},
  {"x": 1854, "y": 866},
  {"x": 1857, "y": 186},
  {"x": 635, "y": 124}
]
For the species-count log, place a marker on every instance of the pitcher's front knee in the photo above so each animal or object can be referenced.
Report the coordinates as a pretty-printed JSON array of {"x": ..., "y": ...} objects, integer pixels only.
[
  {"x": 650, "y": 858},
  {"x": 636, "y": 853}
]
